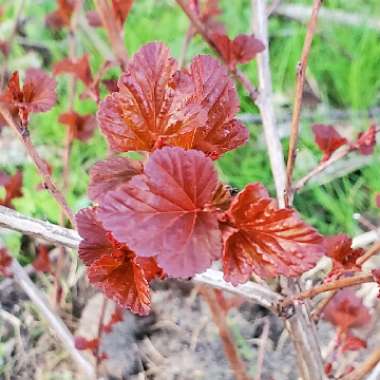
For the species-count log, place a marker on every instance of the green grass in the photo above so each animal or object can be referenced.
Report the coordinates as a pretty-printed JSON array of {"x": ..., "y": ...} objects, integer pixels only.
[{"x": 343, "y": 64}]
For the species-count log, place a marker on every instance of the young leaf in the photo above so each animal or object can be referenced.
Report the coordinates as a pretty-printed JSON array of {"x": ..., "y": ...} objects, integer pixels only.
[
  {"x": 353, "y": 343},
  {"x": 112, "y": 267},
  {"x": 5, "y": 262},
  {"x": 42, "y": 262},
  {"x": 208, "y": 83},
  {"x": 81, "y": 127},
  {"x": 37, "y": 95},
  {"x": 242, "y": 49},
  {"x": 328, "y": 139},
  {"x": 346, "y": 311},
  {"x": 79, "y": 68},
  {"x": 108, "y": 174},
  {"x": 344, "y": 257},
  {"x": 146, "y": 111},
  {"x": 12, "y": 186},
  {"x": 122, "y": 9},
  {"x": 166, "y": 212},
  {"x": 265, "y": 239},
  {"x": 366, "y": 141},
  {"x": 62, "y": 16}
]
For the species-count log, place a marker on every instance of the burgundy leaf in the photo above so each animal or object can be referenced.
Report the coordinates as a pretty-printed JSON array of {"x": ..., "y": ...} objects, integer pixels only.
[
  {"x": 81, "y": 127},
  {"x": 166, "y": 212},
  {"x": 79, "y": 68},
  {"x": 146, "y": 112},
  {"x": 62, "y": 16},
  {"x": 266, "y": 240},
  {"x": 242, "y": 49},
  {"x": 122, "y": 9},
  {"x": 346, "y": 310},
  {"x": 42, "y": 262},
  {"x": 12, "y": 186},
  {"x": 353, "y": 343},
  {"x": 344, "y": 257},
  {"x": 112, "y": 267},
  {"x": 5, "y": 262},
  {"x": 108, "y": 174},
  {"x": 366, "y": 141},
  {"x": 328, "y": 139}
]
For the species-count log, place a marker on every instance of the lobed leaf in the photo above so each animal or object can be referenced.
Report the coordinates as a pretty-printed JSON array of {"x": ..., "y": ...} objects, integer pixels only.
[
  {"x": 167, "y": 213},
  {"x": 266, "y": 240},
  {"x": 81, "y": 127}
]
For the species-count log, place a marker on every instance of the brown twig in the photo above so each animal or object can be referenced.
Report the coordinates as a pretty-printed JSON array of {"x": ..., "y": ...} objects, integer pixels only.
[
  {"x": 333, "y": 285},
  {"x": 365, "y": 368},
  {"x": 199, "y": 27},
  {"x": 40, "y": 164},
  {"x": 301, "y": 74},
  {"x": 218, "y": 316},
  {"x": 58, "y": 235}
]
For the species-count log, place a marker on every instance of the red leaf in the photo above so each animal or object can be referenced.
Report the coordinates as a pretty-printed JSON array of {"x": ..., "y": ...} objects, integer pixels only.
[
  {"x": 122, "y": 9},
  {"x": 328, "y": 139},
  {"x": 111, "y": 85},
  {"x": 42, "y": 261},
  {"x": 146, "y": 110},
  {"x": 82, "y": 343},
  {"x": 344, "y": 257},
  {"x": 82, "y": 127},
  {"x": 37, "y": 95},
  {"x": 62, "y": 16},
  {"x": 112, "y": 267},
  {"x": 353, "y": 343},
  {"x": 108, "y": 174},
  {"x": 79, "y": 68},
  {"x": 242, "y": 49},
  {"x": 166, "y": 212},
  {"x": 207, "y": 12},
  {"x": 94, "y": 19},
  {"x": 266, "y": 240},
  {"x": 12, "y": 186},
  {"x": 366, "y": 141},
  {"x": 121, "y": 280},
  {"x": 4, "y": 48},
  {"x": 378, "y": 200},
  {"x": 5, "y": 262},
  {"x": 346, "y": 310},
  {"x": 208, "y": 83}
]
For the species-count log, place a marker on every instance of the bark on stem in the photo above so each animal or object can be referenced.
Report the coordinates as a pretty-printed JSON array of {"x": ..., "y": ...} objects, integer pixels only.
[
  {"x": 40, "y": 164},
  {"x": 69, "y": 238}
]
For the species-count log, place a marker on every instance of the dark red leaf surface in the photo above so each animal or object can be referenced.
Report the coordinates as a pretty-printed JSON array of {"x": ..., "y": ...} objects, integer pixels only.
[
  {"x": 37, "y": 95},
  {"x": 344, "y": 257},
  {"x": 145, "y": 112},
  {"x": 266, "y": 240},
  {"x": 5, "y": 262},
  {"x": 366, "y": 141},
  {"x": 62, "y": 15},
  {"x": 12, "y": 186},
  {"x": 353, "y": 343},
  {"x": 42, "y": 262},
  {"x": 112, "y": 267},
  {"x": 346, "y": 310},
  {"x": 241, "y": 49},
  {"x": 328, "y": 139},
  {"x": 122, "y": 9},
  {"x": 81, "y": 127},
  {"x": 108, "y": 174},
  {"x": 79, "y": 68},
  {"x": 157, "y": 105},
  {"x": 166, "y": 212}
]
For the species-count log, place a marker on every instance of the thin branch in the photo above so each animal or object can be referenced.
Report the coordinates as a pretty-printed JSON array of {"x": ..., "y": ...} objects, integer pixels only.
[
  {"x": 373, "y": 250},
  {"x": 264, "y": 100},
  {"x": 301, "y": 74},
  {"x": 50, "y": 316},
  {"x": 300, "y": 327},
  {"x": 333, "y": 285},
  {"x": 13, "y": 220},
  {"x": 262, "y": 347},
  {"x": 219, "y": 318},
  {"x": 40, "y": 164},
  {"x": 363, "y": 370}
]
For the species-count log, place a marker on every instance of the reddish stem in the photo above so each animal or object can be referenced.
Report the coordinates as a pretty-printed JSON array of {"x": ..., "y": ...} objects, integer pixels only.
[
  {"x": 301, "y": 75},
  {"x": 218, "y": 316},
  {"x": 40, "y": 164}
]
